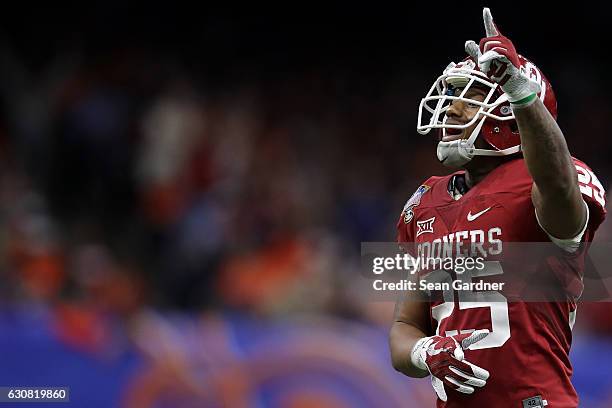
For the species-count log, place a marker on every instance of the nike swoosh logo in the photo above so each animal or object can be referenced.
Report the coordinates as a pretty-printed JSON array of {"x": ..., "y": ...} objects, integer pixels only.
[{"x": 471, "y": 217}]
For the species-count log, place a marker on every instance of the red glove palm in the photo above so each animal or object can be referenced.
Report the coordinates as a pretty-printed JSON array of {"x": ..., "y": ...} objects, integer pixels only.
[
  {"x": 493, "y": 50},
  {"x": 498, "y": 59},
  {"x": 443, "y": 357}
]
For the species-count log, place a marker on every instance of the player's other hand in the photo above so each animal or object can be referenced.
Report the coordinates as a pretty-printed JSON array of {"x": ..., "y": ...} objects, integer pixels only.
[
  {"x": 498, "y": 59},
  {"x": 443, "y": 357}
]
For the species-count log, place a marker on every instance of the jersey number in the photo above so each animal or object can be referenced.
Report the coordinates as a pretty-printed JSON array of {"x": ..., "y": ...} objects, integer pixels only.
[
  {"x": 590, "y": 185},
  {"x": 495, "y": 301}
]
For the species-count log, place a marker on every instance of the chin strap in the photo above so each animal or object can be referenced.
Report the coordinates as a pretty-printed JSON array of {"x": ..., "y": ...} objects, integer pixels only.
[{"x": 504, "y": 152}]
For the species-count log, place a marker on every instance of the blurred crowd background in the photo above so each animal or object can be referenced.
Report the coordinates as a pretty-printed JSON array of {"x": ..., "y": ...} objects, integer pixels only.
[{"x": 183, "y": 195}]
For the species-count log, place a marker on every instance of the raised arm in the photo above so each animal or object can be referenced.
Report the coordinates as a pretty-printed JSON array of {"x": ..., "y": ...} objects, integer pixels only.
[{"x": 555, "y": 194}]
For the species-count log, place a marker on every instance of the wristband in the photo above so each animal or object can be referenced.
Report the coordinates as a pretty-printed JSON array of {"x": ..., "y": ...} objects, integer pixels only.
[{"x": 526, "y": 101}]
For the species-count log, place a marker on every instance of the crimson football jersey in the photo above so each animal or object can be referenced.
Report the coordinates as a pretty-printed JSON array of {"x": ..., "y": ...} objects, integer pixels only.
[{"x": 527, "y": 350}]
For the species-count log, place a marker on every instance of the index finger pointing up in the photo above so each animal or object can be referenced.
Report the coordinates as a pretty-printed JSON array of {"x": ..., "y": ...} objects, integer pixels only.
[{"x": 490, "y": 28}]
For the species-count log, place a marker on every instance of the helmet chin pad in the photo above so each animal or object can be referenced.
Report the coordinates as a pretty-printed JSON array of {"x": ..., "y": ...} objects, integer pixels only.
[{"x": 454, "y": 154}]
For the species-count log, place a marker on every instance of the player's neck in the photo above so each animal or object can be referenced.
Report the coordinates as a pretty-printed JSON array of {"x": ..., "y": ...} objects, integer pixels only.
[
  {"x": 477, "y": 170},
  {"x": 474, "y": 177}
]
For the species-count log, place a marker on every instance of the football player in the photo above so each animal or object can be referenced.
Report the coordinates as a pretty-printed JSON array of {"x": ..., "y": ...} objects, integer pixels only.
[{"x": 517, "y": 182}]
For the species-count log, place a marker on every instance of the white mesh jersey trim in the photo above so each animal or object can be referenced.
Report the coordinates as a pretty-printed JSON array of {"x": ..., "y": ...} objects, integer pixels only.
[{"x": 568, "y": 244}]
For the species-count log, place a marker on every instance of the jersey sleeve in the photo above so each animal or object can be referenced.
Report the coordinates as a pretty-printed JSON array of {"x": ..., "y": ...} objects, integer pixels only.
[
  {"x": 405, "y": 226},
  {"x": 594, "y": 196},
  {"x": 568, "y": 244},
  {"x": 404, "y": 233}
]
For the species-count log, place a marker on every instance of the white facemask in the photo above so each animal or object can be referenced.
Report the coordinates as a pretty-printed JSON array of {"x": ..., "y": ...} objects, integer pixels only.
[{"x": 457, "y": 153}]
